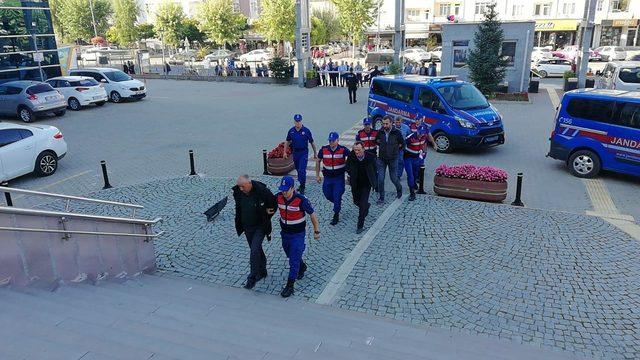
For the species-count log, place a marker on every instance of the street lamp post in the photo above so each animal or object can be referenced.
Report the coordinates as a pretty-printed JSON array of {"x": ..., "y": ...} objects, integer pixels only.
[{"x": 378, "y": 33}]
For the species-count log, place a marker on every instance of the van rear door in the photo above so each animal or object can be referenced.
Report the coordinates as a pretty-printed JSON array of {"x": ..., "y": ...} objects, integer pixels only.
[{"x": 625, "y": 137}]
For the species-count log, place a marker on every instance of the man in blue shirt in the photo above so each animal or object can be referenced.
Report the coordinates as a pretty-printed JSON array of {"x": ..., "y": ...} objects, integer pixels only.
[
  {"x": 299, "y": 137},
  {"x": 405, "y": 130}
]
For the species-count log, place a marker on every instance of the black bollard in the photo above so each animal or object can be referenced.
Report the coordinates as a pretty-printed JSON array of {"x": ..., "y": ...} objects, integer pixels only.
[
  {"x": 7, "y": 196},
  {"x": 264, "y": 163},
  {"x": 421, "y": 180},
  {"x": 518, "y": 201},
  {"x": 105, "y": 176},
  {"x": 192, "y": 163}
]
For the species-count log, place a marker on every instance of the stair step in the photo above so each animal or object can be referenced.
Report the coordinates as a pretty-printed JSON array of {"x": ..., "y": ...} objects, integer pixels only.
[
  {"x": 29, "y": 347},
  {"x": 328, "y": 350}
]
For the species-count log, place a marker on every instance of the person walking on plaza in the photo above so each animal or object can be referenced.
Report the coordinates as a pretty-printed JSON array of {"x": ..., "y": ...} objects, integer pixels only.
[
  {"x": 433, "y": 69},
  {"x": 368, "y": 137},
  {"x": 333, "y": 158},
  {"x": 415, "y": 152},
  {"x": 362, "y": 178},
  {"x": 352, "y": 85},
  {"x": 405, "y": 131},
  {"x": 299, "y": 137},
  {"x": 167, "y": 68},
  {"x": 255, "y": 205},
  {"x": 390, "y": 142},
  {"x": 358, "y": 71},
  {"x": 293, "y": 208}
]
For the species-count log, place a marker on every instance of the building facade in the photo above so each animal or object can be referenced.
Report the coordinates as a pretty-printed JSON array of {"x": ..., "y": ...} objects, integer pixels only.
[
  {"x": 24, "y": 27},
  {"x": 249, "y": 8}
]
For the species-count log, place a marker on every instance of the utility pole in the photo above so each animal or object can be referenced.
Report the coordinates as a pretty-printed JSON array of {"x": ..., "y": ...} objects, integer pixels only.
[
  {"x": 93, "y": 19},
  {"x": 303, "y": 38},
  {"x": 398, "y": 40},
  {"x": 378, "y": 33},
  {"x": 586, "y": 26}
]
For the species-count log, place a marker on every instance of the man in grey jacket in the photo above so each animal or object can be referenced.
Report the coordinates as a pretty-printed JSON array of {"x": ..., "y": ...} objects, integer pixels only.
[{"x": 390, "y": 142}]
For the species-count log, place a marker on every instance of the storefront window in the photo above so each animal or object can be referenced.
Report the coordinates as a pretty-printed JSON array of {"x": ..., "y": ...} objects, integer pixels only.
[
  {"x": 30, "y": 73},
  {"x": 25, "y": 43},
  {"x": 508, "y": 52},
  {"x": 8, "y": 61},
  {"x": 610, "y": 35}
]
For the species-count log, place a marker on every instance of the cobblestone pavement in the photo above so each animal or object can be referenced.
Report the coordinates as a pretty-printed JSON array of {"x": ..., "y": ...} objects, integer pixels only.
[
  {"x": 556, "y": 279},
  {"x": 212, "y": 251}
]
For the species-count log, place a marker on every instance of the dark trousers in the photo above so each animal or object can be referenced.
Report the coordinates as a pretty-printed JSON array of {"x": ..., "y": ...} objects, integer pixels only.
[
  {"x": 333, "y": 79},
  {"x": 359, "y": 76},
  {"x": 361, "y": 199},
  {"x": 352, "y": 94},
  {"x": 393, "y": 174},
  {"x": 257, "y": 259}
]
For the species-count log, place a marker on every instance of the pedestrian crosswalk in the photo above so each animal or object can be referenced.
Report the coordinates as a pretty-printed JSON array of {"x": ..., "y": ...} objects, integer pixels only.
[{"x": 347, "y": 139}]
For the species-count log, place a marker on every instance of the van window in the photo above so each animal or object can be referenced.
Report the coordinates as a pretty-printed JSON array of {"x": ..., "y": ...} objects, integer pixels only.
[
  {"x": 429, "y": 99},
  {"x": 401, "y": 92},
  {"x": 628, "y": 114},
  {"x": 463, "y": 97},
  {"x": 595, "y": 110},
  {"x": 630, "y": 75},
  {"x": 380, "y": 87}
]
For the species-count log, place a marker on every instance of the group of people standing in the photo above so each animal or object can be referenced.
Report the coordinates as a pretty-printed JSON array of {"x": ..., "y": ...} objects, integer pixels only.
[
  {"x": 129, "y": 68},
  {"x": 334, "y": 74}
]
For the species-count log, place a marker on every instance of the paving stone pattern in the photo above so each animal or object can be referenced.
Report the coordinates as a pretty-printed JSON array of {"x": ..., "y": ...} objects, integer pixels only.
[
  {"x": 212, "y": 251},
  {"x": 550, "y": 278}
]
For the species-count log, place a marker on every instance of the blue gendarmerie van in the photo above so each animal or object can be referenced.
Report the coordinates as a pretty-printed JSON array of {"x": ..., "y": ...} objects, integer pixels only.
[
  {"x": 457, "y": 113},
  {"x": 598, "y": 129}
]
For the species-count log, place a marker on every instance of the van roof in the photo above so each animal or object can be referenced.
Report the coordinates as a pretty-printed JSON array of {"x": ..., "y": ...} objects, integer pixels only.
[
  {"x": 606, "y": 94},
  {"x": 420, "y": 79}
]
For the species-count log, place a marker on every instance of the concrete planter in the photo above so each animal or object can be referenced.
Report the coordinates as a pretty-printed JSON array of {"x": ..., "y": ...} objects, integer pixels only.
[
  {"x": 470, "y": 189},
  {"x": 311, "y": 83},
  {"x": 280, "y": 166}
]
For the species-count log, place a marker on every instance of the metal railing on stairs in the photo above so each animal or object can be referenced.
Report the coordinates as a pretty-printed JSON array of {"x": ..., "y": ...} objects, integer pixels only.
[{"x": 43, "y": 246}]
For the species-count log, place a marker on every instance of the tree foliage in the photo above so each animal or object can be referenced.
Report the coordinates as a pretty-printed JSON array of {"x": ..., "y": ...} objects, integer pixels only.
[
  {"x": 169, "y": 18},
  {"x": 220, "y": 22},
  {"x": 189, "y": 29},
  {"x": 486, "y": 64},
  {"x": 355, "y": 16},
  {"x": 125, "y": 13},
  {"x": 74, "y": 17},
  {"x": 145, "y": 31},
  {"x": 277, "y": 21},
  {"x": 324, "y": 27}
]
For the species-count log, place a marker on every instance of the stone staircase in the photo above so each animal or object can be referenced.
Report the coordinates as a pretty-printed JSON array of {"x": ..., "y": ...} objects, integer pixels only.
[{"x": 162, "y": 317}]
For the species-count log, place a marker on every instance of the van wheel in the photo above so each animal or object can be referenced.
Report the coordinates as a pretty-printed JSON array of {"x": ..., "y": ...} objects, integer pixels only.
[
  {"x": 443, "y": 143},
  {"x": 115, "y": 97},
  {"x": 584, "y": 164},
  {"x": 46, "y": 164},
  {"x": 26, "y": 115},
  {"x": 377, "y": 123},
  {"x": 543, "y": 74},
  {"x": 74, "y": 104}
]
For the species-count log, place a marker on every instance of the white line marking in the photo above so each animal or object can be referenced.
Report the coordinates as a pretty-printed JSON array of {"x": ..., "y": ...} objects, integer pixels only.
[
  {"x": 555, "y": 100},
  {"x": 57, "y": 182},
  {"x": 337, "y": 282}
]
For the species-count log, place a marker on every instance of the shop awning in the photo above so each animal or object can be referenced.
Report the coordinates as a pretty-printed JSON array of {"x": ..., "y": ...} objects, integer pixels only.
[
  {"x": 416, "y": 35},
  {"x": 556, "y": 25}
]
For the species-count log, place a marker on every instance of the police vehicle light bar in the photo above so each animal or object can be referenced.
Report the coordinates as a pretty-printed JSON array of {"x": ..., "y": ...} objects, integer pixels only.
[{"x": 442, "y": 78}]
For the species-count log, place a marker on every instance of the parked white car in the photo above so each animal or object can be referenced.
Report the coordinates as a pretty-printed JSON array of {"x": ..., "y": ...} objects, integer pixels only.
[
  {"x": 620, "y": 75},
  {"x": 256, "y": 55},
  {"x": 436, "y": 53},
  {"x": 29, "y": 149},
  {"x": 540, "y": 53},
  {"x": 79, "y": 91},
  {"x": 551, "y": 67},
  {"x": 417, "y": 55},
  {"x": 612, "y": 53},
  {"x": 117, "y": 84}
]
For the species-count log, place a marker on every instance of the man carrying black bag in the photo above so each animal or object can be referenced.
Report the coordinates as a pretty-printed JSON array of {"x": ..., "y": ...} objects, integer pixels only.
[{"x": 255, "y": 205}]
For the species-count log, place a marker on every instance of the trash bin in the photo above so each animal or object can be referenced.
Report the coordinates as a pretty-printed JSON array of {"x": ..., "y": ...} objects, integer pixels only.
[
  {"x": 590, "y": 83},
  {"x": 570, "y": 84},
  {"x": 533, "y": 86}
]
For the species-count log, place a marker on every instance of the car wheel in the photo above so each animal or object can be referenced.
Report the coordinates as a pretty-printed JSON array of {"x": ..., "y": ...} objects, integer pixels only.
[
  {"x": 377, "y": 123},
  {"x": 584, "y": 164},
  {"x": 100, "y": 103},
  {"x": 443, "y": 143},
  {"x": 115, "y": 97},
  {"x": 74, "y": 104},
  {"x": 543, "y": 74},
  {"x": 25, "y": 114},
  {"x": 46, "y": 164},
  {"x": 60, "y": 112}
]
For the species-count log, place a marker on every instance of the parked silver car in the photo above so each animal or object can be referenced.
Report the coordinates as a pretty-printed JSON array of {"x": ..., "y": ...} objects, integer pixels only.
[{"x": 29, "y": 99}]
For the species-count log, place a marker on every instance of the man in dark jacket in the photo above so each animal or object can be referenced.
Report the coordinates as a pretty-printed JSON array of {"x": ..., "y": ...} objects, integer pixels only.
[
  {"x": 352, "y": 85},
  {"x": 390, "y": 142},
  {"x": 362, "y": 178},
  {"x": 255, "y": 205}
]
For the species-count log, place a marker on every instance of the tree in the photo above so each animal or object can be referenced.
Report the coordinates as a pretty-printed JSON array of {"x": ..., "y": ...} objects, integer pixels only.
[
  {"x": 328, "y": 22},
  {"x": 189, "y": 29},
  {"x": 169, "y": 19},
  {"x": 277, "y": 21},
  {"x": 76, "y": 21},
  {"x": 145, "y": 31},
  {"x": 486, "y": 65},
  {"x": 125, "y": 13},
  {"x": 355, "y": 16},
  {"x": 319, "y": 32},
  {"x": 220, "y": 22},
  {"x": 54, "y": 6}
]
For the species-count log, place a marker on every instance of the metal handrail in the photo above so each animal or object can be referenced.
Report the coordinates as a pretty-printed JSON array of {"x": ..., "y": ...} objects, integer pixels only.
[
  {"x": 68, "y": 197},
  {"x": 3, "y": 228},
  {"x": 15, "y": 210}
]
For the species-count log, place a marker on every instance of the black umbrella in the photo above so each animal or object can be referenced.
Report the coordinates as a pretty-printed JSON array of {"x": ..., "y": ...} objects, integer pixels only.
[{"x": 213, "y": 211}]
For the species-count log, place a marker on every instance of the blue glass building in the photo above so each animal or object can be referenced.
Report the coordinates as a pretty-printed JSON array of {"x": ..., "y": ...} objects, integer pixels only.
[{"x": 22, "y": 23}]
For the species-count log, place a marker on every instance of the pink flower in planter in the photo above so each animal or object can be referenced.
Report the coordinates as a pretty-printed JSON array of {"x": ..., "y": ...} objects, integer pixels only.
[{"x": 472, "y": 172}]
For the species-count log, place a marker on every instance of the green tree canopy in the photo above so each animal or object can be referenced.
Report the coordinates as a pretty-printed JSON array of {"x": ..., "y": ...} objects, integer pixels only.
[
  {"x": 220, "y": 22},
  {"x": 125, "y": 13},
  {"x": 319, "y": 33},
  {"x": 189, "y": 29},
  {"x": 277, "y": 21},
  {"x": 355, "y": 16},
  {"x": 145, "y": 31},
  {"x": 169, "y": 18},
  {"x": 75, "y": 18},
  {"x": 328, "y": 27},
  {"x": 486, "y": 65}
]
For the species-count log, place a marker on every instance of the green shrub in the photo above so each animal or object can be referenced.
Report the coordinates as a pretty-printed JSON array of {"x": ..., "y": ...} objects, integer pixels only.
[
  {"x": 279, "y": 68},
  {"x": 568, "y": 74},
  {"x": 394, "y": 69}
]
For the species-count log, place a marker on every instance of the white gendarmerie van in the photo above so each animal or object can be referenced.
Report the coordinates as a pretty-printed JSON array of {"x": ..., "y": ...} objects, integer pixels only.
[{"x": 620, "y": 75}]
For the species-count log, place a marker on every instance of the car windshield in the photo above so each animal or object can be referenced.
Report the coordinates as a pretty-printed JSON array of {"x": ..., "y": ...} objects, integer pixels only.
[
  {"x": 39, "y": 89},
  {"x": 84, "y": 82},
  {"x": 463, "y": 97},
  {"x": 630, "y": 75},
  {"x": 117, "y": 76}
]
